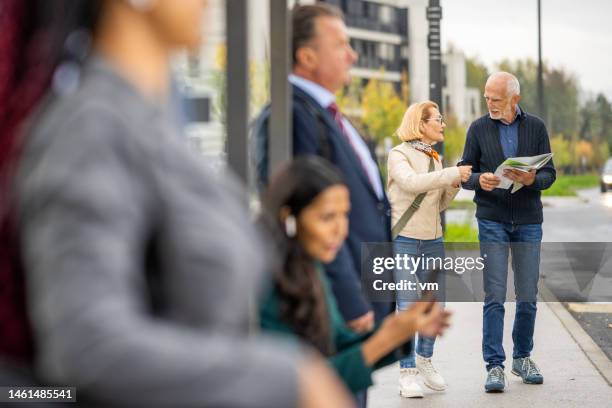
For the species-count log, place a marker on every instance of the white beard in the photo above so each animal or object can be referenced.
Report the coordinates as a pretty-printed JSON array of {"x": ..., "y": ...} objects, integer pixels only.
[{"x": 496, "y": 117}]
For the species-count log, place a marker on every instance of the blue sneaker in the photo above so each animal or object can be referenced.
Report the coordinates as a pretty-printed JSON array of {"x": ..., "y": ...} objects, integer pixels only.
[
  {"x": 496, "y": 380},
  {"x": 527, "y": 370}
]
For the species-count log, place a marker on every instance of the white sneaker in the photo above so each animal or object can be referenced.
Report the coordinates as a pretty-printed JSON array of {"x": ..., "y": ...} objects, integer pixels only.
[
  {"x": 431, "y": 377},
  {"x": 408, "y": 385}
]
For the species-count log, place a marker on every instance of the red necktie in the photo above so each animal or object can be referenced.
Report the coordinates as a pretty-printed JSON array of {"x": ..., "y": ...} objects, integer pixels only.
[{"x": 335, "y": 111}]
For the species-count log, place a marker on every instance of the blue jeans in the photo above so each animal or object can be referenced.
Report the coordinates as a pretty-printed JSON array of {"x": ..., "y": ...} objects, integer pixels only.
[
  {"x": 416, "y": 248},
  {"x": 496, "y": 241}
]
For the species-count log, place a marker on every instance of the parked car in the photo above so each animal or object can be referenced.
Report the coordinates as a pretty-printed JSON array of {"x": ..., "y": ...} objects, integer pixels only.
[{"x": 606, "y": 176}]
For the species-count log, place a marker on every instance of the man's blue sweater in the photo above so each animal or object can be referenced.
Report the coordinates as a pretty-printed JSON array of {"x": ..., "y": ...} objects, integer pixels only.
[{"x": 483, "y": 150}]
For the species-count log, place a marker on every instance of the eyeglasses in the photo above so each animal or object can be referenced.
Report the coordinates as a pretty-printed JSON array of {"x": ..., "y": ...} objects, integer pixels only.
[{"x": 438, "y": 119}]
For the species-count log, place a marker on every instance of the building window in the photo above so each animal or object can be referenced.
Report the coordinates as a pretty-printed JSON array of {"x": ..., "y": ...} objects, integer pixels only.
[
  {"x": 193, "y": 66},
  {"x": 386, "y": 14},
  {"x": 444, "y": 75},
  {"x": 354, "y": 7},
  {"x": 196, "y": 108},
  {"x": 385, "y": 51},
  {"x": 366, "y": 9},
  {"x": 402, "y": 23}
]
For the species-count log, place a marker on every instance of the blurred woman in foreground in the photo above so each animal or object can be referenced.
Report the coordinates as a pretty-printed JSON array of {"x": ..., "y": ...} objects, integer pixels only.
[
  {"x": 135, "y": 291},
  {"x": 306, "y": 209}
]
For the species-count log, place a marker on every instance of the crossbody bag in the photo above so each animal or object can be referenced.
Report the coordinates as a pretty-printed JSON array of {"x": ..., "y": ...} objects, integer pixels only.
[{"x": 407, "y": 215}]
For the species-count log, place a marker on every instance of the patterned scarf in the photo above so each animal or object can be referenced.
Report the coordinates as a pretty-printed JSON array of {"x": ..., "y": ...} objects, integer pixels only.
[{"x": 425, "y": 148}]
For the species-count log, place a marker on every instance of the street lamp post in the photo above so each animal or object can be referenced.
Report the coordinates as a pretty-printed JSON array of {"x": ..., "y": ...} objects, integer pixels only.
[
  {"x": 541, "y": 107},
  {"x": 280, "y": 128},
  {"x": 434, "y": 15},
  {"x": 236, "y": 21}
]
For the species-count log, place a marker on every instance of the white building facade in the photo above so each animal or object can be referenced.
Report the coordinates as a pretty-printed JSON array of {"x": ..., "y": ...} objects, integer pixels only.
[
  {"x": 457, "y": 99},
  {"x": 390, "y": 37}
]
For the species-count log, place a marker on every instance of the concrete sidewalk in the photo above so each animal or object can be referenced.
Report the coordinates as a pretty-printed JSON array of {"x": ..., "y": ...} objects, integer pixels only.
[{"x": 570, "y": 380}]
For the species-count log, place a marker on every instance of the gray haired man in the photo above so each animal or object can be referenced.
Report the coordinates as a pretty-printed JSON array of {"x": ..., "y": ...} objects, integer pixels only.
[{"x": 508, "y": 222}]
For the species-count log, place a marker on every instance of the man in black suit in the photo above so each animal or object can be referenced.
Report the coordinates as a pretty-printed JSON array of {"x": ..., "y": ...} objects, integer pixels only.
[{"x": 322, "y": 58}]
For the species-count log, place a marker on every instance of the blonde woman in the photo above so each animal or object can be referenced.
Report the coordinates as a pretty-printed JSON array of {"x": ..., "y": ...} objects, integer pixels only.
[{"x": 416, "y": 173}]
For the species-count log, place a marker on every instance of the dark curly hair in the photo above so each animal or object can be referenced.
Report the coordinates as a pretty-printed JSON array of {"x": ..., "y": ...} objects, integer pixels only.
[{"x": 303, "y": 305}]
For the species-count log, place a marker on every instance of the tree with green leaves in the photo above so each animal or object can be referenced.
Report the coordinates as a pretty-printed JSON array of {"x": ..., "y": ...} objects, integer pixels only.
[
  {"x": 454, "y": 140},
  {"x": 526, "y": 72},
  {"x": 562, "y": 149},
  {"x": 383, "y": 110},
  {"x": 596, "y": 126},
  {"x": 349, "y": 98},
  {"x": 560, "y": 94},
  {"x": 561, "y": 99},
  {"x": 259, "y": 82},
  {"x": 476, "y": 77}
]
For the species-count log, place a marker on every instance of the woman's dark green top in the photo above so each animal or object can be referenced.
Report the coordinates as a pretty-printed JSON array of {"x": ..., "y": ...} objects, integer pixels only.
[{"x": 348, "y": 360}]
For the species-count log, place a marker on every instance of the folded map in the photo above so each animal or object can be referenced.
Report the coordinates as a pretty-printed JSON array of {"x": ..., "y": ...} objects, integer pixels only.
[{"x": 520, "y": 163}]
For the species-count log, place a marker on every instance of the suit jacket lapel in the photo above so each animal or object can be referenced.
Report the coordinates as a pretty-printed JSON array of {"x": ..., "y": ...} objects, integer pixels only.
[{"x": 339, "y": 138}]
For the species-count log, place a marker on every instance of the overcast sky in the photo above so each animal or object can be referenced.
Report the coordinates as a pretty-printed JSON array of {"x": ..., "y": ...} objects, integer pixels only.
[{"x": 576, "y": 35}]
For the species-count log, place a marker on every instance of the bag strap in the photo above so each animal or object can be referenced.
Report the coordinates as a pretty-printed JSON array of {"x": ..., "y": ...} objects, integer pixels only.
[
  {"x": 407, "y": 215},
  {"x": 260, "y": 140},
  {"x": 325, "y": 149}
]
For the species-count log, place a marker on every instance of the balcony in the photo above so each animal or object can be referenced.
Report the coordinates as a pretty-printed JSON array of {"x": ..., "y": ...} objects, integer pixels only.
[
  {"x": 376, "y": 63},
  {"x": 367, "y": 23}
]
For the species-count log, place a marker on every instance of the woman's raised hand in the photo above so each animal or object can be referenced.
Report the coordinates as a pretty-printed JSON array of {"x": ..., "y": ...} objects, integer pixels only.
[
  {"x": 431, "y": 319},
  {"x": 465, "y": 172},
  {"x": 425, "y": 317}
]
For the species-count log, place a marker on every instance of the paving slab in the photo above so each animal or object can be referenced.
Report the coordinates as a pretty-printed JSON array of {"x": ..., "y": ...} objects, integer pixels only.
[{"x": 570, "y": 380}]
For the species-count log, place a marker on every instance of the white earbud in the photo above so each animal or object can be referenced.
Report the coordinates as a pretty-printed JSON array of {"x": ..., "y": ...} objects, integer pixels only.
[{"x": 290, "y": 226}]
